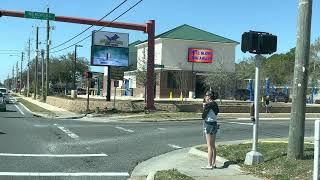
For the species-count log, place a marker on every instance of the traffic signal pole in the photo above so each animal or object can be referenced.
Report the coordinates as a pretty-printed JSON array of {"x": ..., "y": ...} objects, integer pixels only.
[{"x": 148, "y": 28}]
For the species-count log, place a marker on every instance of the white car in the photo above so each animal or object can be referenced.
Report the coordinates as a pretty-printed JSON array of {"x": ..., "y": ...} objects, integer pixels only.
[
  {"x": 3, "y": 104},
  {"x": 5, "y": 94}
]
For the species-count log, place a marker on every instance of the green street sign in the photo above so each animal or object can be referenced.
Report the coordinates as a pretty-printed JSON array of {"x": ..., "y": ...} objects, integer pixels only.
[
  {"x": 39, "y": 15},
  {"x": 159, "y": 66}
]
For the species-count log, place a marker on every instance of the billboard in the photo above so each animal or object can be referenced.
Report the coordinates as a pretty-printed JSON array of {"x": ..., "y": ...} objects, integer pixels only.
[
  {"x": 201, "y": 55},
  {"x": 109, "y": 49}
]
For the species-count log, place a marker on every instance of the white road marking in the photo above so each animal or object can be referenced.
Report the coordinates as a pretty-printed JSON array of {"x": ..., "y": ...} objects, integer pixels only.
[
  {"x": 40, "y": 125},
  {"x": 25, "y": 107},
  {"x": 162, "y": 129},
  {"x": 248, "y": 124},
  {"x": 53, "y": 155},
  {"x": 68, "y": 132},
  {"x": 123, "y": 129},
  {"x": 19, "y": 109},
  {"x": 274, "y": 118},
  {"x": 174, "y": 146},
  {"x": 59, "y": 174}
]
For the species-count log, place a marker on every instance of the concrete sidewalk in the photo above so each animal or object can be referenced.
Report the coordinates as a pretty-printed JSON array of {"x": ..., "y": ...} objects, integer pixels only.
[
  {"x": 189, "y": 161},
  {"x": 58, "y": 112}
]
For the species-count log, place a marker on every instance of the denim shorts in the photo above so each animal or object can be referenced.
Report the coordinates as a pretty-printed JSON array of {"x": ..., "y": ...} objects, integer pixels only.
[{"x": 210, "y": 127}]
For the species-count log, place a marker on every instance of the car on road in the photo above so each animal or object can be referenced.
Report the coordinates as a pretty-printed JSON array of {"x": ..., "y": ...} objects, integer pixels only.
[
  {"x": 3, "y": 104},
  {"x": 242, "y": 94},
  {"x": 5, "y": 94}
]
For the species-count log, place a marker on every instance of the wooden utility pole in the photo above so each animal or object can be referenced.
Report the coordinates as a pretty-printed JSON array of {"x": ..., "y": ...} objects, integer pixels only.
[
  {"x": 300, "y": 81},
  {"x": 20, "y": 85},
  {"x": 28, "y": 74},
  {"x": 42, "y": 76},
  {"x": 36, "y": 65},
  {"x": 47, "y": 59}
]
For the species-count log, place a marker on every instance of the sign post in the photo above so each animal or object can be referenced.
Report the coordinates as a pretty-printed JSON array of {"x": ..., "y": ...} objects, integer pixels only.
[
  {"x": 116, "y": 84},
  {"x": 257, "y": 43}
]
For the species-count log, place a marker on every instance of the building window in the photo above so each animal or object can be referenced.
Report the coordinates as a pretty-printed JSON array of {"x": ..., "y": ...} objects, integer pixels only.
[{"x": 171, "y": 81}]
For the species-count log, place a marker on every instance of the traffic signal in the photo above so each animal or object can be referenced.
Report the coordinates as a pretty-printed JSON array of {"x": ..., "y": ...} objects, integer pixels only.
[{"x": 258, "y": 42}]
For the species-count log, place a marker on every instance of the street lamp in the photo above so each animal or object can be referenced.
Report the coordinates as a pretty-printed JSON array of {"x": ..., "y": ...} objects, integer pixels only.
[
  {"x": 20, "y": 69},
  {"x": 75, "y": 63}
]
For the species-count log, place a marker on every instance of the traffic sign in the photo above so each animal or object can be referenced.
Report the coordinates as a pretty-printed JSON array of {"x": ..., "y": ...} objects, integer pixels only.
[
  {"x": 39, "y": 15},
  {"x": 158, "y": 65}
]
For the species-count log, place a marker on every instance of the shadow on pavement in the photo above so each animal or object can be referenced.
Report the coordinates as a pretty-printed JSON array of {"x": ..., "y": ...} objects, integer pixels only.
[
  {"x": 227, "y": 164},
  {"x": 11, "y": 110}
]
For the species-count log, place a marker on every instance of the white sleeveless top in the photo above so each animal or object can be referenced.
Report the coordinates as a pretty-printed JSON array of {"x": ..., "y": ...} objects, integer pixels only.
[{"x": 211, "y": 116}]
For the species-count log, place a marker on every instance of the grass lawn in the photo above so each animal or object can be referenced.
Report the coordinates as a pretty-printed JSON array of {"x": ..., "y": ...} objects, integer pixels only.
[
  {"x": 33, "y": 107},
  {"x": 275, "y": 165},
  {"x": 171, "y": 174},
  {"x": 165, "y": 115}
]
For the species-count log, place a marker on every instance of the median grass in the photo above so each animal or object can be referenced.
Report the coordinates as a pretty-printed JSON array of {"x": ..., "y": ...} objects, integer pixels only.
[
  {"x": 34, "y": 108},
  {"x": 171, "y": 174},
  {"x": 164, "y": 115},
  {"x": 275, "y": 165}
]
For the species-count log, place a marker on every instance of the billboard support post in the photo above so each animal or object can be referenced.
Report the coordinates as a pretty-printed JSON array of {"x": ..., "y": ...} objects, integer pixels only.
[{"x": 108, "y": 96}]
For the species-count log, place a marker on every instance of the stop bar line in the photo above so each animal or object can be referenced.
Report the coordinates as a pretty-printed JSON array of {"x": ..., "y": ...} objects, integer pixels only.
[
  {"x": 53, "y": 155},
  {"x": 60, "y": 174}
]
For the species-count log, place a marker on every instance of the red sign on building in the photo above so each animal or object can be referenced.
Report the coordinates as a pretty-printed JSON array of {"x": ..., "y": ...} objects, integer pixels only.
[{"x": 200, "y": 55}]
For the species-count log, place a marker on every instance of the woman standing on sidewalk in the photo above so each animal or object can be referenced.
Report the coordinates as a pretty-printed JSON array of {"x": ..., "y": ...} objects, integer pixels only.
[{"x": 210, "y": 126}]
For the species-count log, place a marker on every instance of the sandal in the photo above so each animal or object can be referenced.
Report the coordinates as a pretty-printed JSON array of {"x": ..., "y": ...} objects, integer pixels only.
[{"x": 207, "y": 167}]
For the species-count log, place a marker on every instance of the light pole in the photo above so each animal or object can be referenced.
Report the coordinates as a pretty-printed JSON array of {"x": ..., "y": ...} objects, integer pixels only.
[
  {"x": 20, "y": 86},
  {"x": 75, "y": 63}
]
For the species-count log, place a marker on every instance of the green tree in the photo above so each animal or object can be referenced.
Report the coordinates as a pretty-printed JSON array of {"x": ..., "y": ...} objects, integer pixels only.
[
  {"x": 314, "y": 65},
  {"x": 279, "y": 67},
  {"x": 62, "y": 68},
  {"x": 220, "y": 80}
]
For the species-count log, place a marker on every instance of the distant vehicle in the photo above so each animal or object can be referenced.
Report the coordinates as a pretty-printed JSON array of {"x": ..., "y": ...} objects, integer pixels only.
[
  {"x": 242, "y": 94},
  {"x": 5, "y": 94},
  {"x": 3, "y": 106},
  {"x": 81, "y": 91},
  {"x": 280, "y": 97}
]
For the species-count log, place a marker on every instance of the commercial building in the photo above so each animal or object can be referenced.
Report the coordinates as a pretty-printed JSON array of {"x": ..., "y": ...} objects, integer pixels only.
[{"x": 184, "y": 56}]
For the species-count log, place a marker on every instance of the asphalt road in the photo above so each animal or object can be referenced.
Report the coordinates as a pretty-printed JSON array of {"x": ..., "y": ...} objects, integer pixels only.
[{"x": 66, "y": 148}]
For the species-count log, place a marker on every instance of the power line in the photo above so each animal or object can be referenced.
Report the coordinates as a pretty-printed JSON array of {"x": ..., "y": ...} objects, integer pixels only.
[
  {"x": 90, "y": 26},
  {"x": 100, "y": 28}
]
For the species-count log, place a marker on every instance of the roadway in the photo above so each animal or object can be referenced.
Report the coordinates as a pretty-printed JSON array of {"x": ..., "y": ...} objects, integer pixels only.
[{"x": 64, "y": 149}]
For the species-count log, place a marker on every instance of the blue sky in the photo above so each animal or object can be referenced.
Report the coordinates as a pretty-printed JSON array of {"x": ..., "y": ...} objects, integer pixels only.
[{"x": 228, "y": 18}]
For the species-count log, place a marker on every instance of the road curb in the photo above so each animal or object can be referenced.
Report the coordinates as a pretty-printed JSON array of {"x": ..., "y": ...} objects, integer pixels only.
[
  {"x": 151, "y": 175},
  {"x": 34, "y": 113},
  {"x": 48, "y": 116}
]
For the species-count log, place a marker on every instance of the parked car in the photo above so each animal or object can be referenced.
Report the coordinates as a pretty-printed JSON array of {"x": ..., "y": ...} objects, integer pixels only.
[
  {"x": 5, "y": 94},
  {"x": 81, "y": 91},
  {"x": 280, "y": 97},
  {"x": 242, "y": 94},
  {"x": 3, "y": 106}
]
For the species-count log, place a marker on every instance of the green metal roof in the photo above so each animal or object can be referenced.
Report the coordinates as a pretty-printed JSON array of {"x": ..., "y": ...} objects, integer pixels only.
[
  {"x": 187, "y": 32},
  {"x": 132, "y": 45}
]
